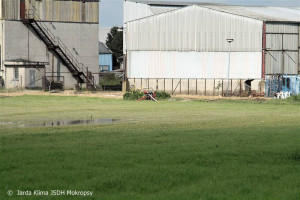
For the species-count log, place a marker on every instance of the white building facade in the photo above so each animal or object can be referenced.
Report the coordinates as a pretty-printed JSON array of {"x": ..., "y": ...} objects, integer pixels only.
[{"x": 190, "y": 42}]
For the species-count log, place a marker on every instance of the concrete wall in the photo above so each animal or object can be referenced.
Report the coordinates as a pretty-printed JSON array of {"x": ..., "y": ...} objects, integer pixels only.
[
  {"x": 21, "y": 44},
  {"x": 24, "y": 79},
  {"x": 205, "y": 87}
]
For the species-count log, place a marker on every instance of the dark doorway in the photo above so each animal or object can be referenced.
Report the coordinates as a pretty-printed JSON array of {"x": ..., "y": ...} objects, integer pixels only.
[{"x": 248, "y": 85}]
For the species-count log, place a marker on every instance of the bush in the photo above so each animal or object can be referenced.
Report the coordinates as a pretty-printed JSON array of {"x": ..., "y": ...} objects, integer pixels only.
[
  {"x": 162, "y": 95},
  {"x": 133, "y": 95},
  {"x": 295, "y": 98},
  {"x": 136, "y": 95},
  {"x": 110, "y": 79}
]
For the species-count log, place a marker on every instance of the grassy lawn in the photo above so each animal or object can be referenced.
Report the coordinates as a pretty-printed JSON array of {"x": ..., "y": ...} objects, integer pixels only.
[{"x": 157, "y": 150}]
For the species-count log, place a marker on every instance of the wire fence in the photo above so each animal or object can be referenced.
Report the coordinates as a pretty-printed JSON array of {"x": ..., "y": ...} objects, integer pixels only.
[{"x": 206, "y": 87}]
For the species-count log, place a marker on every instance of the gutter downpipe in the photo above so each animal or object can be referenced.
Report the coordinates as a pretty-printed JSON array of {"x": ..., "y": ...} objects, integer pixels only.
[{"x": 264, "y": 51}]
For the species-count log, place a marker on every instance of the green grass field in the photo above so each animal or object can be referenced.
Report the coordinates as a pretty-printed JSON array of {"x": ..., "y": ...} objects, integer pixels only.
[{"x": 177, "y": 150}]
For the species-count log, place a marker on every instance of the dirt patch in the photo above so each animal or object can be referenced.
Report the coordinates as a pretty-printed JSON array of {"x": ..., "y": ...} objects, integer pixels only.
[
  {"x": 113, "y": 95},
  {"x": 119, "y": 95},
  {"x": 215, "y": 98}
]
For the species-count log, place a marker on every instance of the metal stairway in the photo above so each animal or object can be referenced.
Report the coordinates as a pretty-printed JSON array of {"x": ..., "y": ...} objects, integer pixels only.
[{"x": 56, "y": 46}]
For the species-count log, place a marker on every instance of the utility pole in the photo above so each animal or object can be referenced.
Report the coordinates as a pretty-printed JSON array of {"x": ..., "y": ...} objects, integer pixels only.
[{"x": 228, "y": 69}]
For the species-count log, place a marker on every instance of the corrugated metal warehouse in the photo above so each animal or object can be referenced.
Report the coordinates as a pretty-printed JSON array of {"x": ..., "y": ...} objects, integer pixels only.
[
  {"x": 49, "y": 41},
  {"x": 179, "y": 44}
]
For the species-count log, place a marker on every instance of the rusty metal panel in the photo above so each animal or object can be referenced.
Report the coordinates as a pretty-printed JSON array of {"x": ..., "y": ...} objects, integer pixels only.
[
  {"x": 66, "y": 11},
  {"x": 11, "y": 9},
  {"x": 22, "y": 9}
]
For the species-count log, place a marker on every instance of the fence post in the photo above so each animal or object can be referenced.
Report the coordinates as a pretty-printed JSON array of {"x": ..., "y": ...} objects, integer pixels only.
[
  {"x": 141, "y": 83},
  {"x": 188, "y": 86},
  {"x": 205, "y": 87},
  {"x": 231, "y": 88},
  {"x": 196, "y": 86},
  {"x": 104, "y": 84},
  {"x": 134, "y": 83},
  {"x": 157, "y": 84},
  {"x": 45, "y": 87},
  {"x": 87, "y": 79},
  {"x": 52, "y": 67},
  {"x": 172, "y": 85},
  {"x": 222, "y": 87},
  {"x": 240, "y": 86},
  {"x": 148, "y": 84},
  {"x": 214, "y": 87},
  {"x": 180, "y": 86},
  {"x": 164, "y": 85}
]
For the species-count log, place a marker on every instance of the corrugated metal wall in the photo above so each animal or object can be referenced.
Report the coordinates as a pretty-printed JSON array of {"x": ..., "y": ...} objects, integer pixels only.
[
  {"x": 55, "y": 10},
  {"x": 194, "y": 29},
  {"x": 282, "y": 43},
  {"x": 133, "y": 11},
  {"x": 10, "y": 9},
  {"x": 210, "y": 65}
]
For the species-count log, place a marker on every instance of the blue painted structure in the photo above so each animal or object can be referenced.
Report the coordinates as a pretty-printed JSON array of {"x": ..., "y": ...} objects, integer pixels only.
[
  {"x": 285, "y": 83},
  {"x": 105, "y": 58}
]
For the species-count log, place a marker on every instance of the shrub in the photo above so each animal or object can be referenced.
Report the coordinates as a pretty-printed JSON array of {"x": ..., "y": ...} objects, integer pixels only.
[
  {"x": 133, "y": 95},
  {"x": 295, "y": 98},
  {"x": 110, "y": 79},
  {"x": 136, "y": 95},
  {"x": 162, "y": 95}
]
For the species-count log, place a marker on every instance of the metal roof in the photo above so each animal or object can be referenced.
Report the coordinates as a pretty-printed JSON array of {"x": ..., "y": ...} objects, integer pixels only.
[
  {"x": 172, "y": 3},
  {"x": 264, "y": 13},
  {"x": 160, "y": 9},
  {"x": 103, "y": 49}
]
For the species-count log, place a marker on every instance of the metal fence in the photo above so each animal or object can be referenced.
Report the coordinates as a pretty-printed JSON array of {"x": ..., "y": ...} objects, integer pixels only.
[{"x": 206, "y": 87}]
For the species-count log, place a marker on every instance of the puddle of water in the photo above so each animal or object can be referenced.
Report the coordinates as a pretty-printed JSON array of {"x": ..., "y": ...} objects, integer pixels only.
[{"x": 61, "y": 123}]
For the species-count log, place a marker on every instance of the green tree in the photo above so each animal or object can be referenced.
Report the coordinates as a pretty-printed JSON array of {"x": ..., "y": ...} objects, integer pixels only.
[{"x": 114, "y": 42}]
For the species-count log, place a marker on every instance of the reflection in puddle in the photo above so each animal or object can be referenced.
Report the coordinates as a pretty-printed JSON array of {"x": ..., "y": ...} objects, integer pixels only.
[{"x": 61, "y": 123}]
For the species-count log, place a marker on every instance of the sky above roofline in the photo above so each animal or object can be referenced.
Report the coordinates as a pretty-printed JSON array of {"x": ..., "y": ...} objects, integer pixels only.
[{"x": 111, "y": 11}]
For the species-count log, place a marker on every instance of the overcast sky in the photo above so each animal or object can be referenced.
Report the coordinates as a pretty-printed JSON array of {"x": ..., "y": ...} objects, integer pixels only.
[{"x": 111, "y": 11}]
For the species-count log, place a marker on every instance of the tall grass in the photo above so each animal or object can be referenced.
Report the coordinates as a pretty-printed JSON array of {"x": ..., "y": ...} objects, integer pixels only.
[{"x": 166, "y": 150}]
